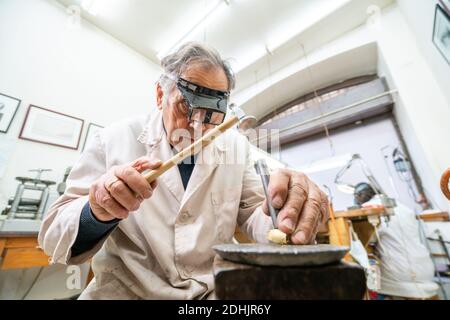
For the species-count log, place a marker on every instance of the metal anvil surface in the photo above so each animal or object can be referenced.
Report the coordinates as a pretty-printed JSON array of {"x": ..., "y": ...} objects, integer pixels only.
[{"x": 340, "y": 281}]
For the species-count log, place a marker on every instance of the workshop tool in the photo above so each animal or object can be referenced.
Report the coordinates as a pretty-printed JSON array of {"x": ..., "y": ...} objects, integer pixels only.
[
  {"x": 26, "y": 208},
  {"x": 238, "y": 117},
  {"x": 338, "y": 281},
  {"x": 287, "y": 255},
  {"x": 61, "y": 188},
  {"x": 445, "y": 180},
  {"x": 332, "y": 221},
  {"x": 263, "y": 171},
  {"x": 443, "y": 244}
]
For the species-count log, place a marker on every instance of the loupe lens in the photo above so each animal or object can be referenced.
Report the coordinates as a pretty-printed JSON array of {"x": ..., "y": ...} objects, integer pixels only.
[{"x": 207, "y": 116}]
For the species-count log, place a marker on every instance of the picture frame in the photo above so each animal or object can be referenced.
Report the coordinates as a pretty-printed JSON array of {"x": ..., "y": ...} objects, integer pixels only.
[
  {"x": 92, "y": 129},
  {"x": 8, "y": 110},
  {"x": 50, "y": 127},
  {"x": 441, "y": 32},
  {"x": 446, "y": 5}
]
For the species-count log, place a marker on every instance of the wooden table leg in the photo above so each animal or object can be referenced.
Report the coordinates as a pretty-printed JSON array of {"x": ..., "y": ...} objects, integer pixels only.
[
  {"x": 339, "y": 232},
  {"x": 2, "y": 246},
  {"x": 90, "y": 274}
]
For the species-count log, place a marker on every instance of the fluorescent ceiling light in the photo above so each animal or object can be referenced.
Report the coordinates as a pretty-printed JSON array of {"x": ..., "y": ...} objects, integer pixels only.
[
  {"x": 327, "y": 164},
  {"x": 346, "y": 188},
  {"x": 196, "y": 28}
]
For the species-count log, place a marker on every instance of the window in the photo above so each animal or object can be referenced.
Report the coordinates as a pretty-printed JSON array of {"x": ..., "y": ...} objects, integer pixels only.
[{"x": 310, "y": 103}]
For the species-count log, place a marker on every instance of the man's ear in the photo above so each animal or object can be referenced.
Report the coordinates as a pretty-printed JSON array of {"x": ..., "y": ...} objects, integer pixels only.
[{"x": 159, "y": 96}]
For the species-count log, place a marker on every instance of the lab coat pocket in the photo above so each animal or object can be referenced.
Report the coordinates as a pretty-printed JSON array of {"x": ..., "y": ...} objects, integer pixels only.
[{"x": 226, "y": 207}]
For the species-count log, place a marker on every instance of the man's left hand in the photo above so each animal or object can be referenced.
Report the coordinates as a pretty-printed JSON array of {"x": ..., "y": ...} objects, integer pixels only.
[{"x": 303, "y": 206}]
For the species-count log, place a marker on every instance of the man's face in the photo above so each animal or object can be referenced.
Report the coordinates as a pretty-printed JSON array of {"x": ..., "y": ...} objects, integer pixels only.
[
  {"x": 363, "y": 196},
  {"x": 180, "y": 131}
]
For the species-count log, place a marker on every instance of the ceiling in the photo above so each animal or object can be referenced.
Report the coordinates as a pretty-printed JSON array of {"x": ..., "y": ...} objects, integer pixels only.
[
  {"x": 258, "y": 36},
  {"x": 361, "y": 60}
]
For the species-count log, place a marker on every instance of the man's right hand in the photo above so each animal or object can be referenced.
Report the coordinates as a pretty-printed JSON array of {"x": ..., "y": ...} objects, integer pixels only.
[{"x": 121, "y": 190}]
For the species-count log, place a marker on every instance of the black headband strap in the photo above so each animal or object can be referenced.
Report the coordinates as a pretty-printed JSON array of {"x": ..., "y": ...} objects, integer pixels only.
[{"x": 197, "y": 89}]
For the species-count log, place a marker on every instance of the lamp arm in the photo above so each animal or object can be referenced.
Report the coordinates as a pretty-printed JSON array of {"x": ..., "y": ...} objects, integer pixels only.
[
  {"x": 371, "y": 178},
  {"x": 340, "y": 174}
]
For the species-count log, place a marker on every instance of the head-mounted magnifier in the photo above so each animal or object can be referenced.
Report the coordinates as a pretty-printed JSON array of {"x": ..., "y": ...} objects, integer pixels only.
[{"x": 206, "y": 105}]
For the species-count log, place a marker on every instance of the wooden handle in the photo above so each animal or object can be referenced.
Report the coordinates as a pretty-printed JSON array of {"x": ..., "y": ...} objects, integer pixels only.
[
  {"x": 193, "y": 149},
  {"x": 444, "y": 183}
]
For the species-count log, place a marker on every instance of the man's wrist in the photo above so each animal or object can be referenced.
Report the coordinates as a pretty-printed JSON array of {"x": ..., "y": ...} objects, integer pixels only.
[{"x": 89, "y": 217}]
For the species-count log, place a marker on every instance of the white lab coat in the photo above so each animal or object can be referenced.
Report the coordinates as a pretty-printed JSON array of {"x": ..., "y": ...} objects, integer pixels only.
[
  {"x": 406, "y": 266},
  {"x": 164, "y": 249}
]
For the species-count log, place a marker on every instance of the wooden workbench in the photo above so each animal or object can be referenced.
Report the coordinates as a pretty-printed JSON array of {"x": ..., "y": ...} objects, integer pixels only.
[
  {"x": 19, "y": 250},
  {"x": 434, "y": 216},
  {"x": 339, "y": 231}
]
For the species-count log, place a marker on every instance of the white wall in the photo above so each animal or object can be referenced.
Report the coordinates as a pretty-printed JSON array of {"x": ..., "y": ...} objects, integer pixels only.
[
  {"x": 366, "y": 139},
  {"x": 420, "y": 17},
  {"x": 82, "y": 72},
  {"x": 422, "y": 110},
  {"x": 418, "y": 155}
]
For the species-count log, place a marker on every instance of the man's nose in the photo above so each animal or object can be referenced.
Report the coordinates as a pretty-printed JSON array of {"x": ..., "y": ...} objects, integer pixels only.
[{"x": 198, "y": 126}]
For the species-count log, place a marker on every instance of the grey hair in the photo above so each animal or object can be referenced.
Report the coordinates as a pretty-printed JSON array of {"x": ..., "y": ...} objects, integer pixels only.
[{"x": 193, "y": 52}]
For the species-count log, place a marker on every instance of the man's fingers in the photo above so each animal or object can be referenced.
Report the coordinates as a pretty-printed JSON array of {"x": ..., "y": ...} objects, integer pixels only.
[
  {"x": 122, "y": 193},
  {"x": 312, "y": 214},
  {"x": 107, "y": 202},
  {"x": 298, "y": 194},
  {"x": 303, "y": 205},
  {"x": 134, "y": 181},
  {"x": 325, "y": 208},
  {"x": 145, "y": 163},
  {"x": 308, "y": 223},
  {"x": 123, "y": 189},
  {"x": 288, "y": 216},
  {"x": 278, "y": 188}
]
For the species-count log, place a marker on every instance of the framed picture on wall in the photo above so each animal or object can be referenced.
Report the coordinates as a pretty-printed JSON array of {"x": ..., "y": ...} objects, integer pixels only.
[
  {"x": 446, "y": 5},
  {"x": 441, "y": 32},
  {"x": 53, "y": 128},
  {"x": 92, "y": 129},
  {"x": 8, "y": 109}
]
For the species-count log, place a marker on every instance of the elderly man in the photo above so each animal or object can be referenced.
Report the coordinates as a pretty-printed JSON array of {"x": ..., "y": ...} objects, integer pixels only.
[{"x": 154, "y": 241}]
